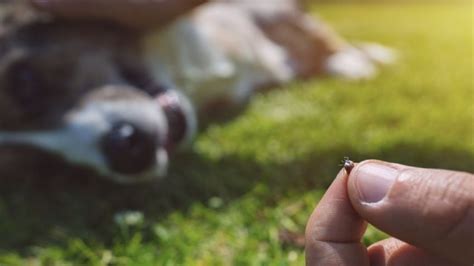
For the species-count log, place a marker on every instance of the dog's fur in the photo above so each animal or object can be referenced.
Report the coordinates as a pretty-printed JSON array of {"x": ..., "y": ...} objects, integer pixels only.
[{"x": 65, "y": 85}]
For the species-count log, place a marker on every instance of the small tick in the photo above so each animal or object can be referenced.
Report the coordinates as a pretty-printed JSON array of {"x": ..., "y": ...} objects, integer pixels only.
[{"x": 347, "y": 164}]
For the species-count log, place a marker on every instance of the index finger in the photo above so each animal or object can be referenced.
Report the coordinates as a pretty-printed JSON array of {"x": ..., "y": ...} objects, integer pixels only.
[{"x": 334, "y": 230}]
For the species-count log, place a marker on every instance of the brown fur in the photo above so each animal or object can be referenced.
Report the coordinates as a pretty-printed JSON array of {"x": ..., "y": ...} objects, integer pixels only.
[{"x": 67, "y": 59}]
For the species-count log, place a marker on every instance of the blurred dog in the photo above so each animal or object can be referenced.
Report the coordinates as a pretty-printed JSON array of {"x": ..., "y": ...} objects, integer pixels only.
[
  {"x": 82, "y": 92},
  {"x": 120, "y": 102}
]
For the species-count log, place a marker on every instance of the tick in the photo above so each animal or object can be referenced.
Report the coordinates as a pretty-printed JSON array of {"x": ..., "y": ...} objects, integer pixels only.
[{"x": 347, "y": 164}]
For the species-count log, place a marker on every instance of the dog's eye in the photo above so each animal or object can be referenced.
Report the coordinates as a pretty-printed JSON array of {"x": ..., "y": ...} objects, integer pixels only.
[{"x": 24, "y": 85}]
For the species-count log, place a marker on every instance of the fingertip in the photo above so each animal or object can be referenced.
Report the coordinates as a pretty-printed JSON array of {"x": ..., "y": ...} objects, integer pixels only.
[
  {"x": 377, "y": 256},
  {"x": 392, "y": 251},
  {"x": 380, "y": 252}
]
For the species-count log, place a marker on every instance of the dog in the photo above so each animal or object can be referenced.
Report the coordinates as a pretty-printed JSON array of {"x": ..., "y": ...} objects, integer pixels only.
[{"x": 121, "y": 102}]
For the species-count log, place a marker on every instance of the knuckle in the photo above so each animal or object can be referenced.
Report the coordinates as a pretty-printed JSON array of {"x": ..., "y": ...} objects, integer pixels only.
[{"x": 441, "y": 198}]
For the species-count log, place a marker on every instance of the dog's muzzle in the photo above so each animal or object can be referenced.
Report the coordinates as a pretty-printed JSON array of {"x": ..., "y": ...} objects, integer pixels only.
[{"x": 123, "y": 134}]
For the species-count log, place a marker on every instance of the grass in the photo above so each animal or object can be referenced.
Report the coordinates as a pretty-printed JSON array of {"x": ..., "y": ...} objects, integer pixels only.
[{"x": 245, "y": 183}]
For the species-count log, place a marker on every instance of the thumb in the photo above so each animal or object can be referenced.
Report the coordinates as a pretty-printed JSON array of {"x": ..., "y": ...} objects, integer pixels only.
[{"x": 428, "y": 208}]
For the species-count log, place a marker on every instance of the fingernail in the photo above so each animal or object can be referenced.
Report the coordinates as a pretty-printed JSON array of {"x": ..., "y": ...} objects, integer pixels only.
[{"x": 373, "y": 181}]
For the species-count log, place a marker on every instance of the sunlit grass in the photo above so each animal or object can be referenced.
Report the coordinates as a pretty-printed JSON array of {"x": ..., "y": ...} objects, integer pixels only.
[{"x": 247, "y": 181}]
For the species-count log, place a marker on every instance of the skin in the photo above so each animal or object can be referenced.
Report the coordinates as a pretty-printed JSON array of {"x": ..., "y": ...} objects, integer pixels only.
[
  {"x": 428, "y": 212},
  {"x": 142, "y": 14}
]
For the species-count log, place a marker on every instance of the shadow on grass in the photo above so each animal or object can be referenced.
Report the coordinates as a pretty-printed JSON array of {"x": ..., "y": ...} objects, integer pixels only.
[{"x": 56, "y": 204}]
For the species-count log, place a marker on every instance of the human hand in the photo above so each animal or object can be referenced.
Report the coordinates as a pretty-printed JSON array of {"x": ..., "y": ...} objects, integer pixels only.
[
  {"x": 138, "y": 14},
  {"x": 429, "y": 213}
]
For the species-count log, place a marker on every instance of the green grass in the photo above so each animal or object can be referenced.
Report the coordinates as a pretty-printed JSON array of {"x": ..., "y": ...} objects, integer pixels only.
[{"x": 246, "y": 181}]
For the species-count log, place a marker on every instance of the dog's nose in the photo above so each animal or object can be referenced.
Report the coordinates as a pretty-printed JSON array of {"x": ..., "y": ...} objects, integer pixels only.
[{"x": 129, "y": 149}]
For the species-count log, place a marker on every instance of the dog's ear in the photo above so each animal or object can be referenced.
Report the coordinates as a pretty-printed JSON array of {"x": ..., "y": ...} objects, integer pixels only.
[{"x": 27, "y": 98}]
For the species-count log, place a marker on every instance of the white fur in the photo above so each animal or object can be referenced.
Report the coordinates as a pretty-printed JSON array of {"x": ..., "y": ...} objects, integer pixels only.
[
  {"x": 217, "y": 52},
  {"x": 360, "y": 61},
  {"x": 352, "y": 64},
  {"x": 378, "y": 53}
]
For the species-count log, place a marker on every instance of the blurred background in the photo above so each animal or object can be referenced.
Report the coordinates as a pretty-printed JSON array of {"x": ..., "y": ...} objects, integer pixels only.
[{"x": 243, "y": 194}]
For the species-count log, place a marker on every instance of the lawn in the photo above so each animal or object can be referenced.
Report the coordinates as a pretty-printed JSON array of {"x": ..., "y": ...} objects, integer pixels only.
[{"x": 242, "y": 195}]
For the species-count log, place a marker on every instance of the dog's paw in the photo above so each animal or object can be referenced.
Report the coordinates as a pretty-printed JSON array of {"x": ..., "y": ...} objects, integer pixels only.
[
  {"x": 351, "y": 63},
  {"x": 360, "y": 61},
  {"x": 379, "y": 54}
]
